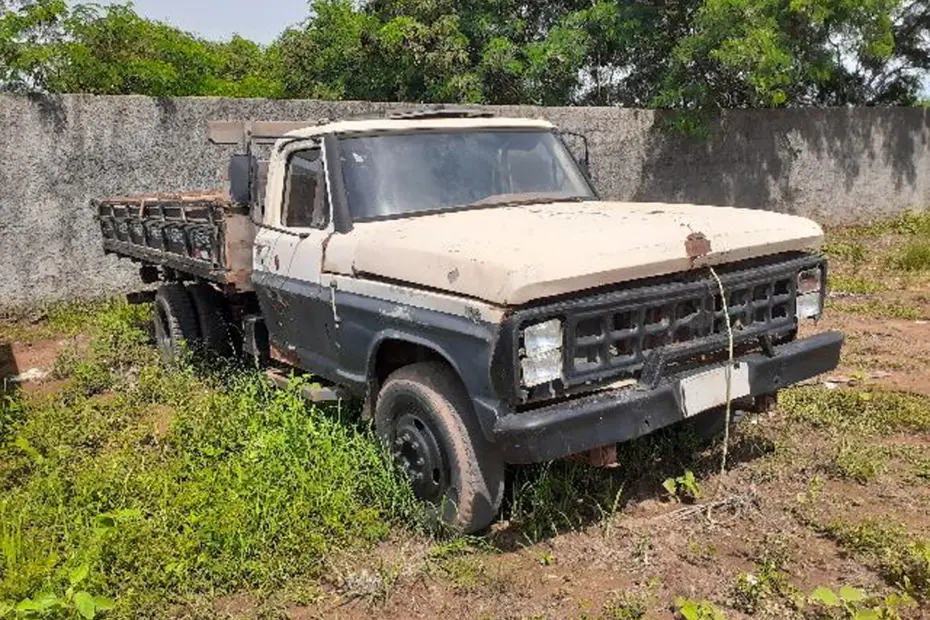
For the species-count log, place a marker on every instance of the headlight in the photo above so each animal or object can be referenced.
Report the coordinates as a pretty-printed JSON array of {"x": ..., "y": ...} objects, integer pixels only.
[
  {"x": 810, "y": 293},
  {"x": 541, "y": 361}
]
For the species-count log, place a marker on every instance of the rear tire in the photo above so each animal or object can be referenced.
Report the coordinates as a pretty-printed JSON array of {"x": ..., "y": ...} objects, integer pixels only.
[
  {"x": 175, "y": 321},
  {"x": 426, "y": 419},
  {"x": 213, "y": 322}
]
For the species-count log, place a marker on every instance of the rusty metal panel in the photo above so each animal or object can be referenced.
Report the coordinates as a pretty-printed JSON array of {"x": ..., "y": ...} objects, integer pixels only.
[{"x": 236, "y": 132}]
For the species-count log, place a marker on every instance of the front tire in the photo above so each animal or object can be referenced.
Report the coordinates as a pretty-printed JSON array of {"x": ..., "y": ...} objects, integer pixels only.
[
  {"x": 175, "y": 321},
  {"x": 425, "y": 418}
]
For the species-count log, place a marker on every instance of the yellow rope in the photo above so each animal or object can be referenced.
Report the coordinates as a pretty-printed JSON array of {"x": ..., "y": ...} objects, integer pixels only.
[{"x": 729, "y": 371}]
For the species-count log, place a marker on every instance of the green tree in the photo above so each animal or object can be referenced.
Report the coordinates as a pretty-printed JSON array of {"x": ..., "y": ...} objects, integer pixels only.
[
  {"x": 30, "y": 32},
  {"x": 44, "y": 46}
]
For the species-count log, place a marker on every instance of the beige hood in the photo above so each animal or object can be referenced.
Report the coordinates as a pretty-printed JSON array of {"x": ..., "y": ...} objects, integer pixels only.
[{"x": 512, "y": 255}]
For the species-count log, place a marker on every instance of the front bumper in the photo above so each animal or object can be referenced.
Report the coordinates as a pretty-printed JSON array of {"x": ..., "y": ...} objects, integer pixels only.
[{"x": 620, "y": 415}]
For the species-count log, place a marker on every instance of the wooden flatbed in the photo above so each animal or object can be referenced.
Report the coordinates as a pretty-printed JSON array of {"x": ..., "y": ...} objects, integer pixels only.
[{"x": 202, "y": 234}]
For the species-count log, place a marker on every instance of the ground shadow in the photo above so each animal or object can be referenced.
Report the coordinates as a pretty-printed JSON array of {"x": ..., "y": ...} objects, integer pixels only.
[
  {"x": 544, "y": 501},
  {"x": 8, "y": 368}
]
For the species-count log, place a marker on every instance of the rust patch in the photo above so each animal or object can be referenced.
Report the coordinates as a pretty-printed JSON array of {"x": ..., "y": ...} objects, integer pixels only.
[
  {"x": 605, "y": 456},
  {"x": 696, "y": 245},
  {"x": 283, "y": 355}
]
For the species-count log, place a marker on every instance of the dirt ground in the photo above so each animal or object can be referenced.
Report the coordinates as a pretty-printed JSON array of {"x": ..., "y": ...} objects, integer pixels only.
[{"x": 758, "y": 540}]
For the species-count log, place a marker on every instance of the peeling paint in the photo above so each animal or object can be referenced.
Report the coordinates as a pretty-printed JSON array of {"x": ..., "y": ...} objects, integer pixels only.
[{"x": 398, "y": 312}]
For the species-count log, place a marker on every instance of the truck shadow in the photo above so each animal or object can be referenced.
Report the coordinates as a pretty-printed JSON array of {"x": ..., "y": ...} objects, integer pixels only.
[
  {"x": 545, "y": 501},
  {"x": 8, "y": 369}
]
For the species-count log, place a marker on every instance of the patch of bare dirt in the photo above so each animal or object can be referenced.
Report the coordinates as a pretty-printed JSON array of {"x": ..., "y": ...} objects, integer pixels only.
[{"x": 28, "y": 366}]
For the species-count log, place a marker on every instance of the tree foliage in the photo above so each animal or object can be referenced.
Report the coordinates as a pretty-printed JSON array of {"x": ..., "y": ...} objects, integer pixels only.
[
  {"x": 47, "y": 46},
  {"x": 687, "y": 55}
]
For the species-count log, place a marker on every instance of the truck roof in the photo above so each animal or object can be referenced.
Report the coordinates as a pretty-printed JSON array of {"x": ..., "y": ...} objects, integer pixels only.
[
  {"x": 241, "y": 132},
  {"x": 391, "y": 124}
]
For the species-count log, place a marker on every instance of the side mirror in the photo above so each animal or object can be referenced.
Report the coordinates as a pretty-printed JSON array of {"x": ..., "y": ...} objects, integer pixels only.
[{"x": 241, "y": 170}]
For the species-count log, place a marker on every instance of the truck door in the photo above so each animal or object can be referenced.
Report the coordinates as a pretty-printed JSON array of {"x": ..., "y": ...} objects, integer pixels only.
[{"x": 288, "y": 260}]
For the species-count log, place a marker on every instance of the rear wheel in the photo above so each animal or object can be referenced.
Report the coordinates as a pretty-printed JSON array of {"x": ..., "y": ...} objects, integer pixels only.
[
  {"x": 425, "y": 418},
  {"x": 213, "y": 321},
  {"x": 175, "y": 321}
]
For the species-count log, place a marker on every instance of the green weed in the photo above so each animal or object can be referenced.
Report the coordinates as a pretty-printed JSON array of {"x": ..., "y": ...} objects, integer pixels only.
[
  {"x": 247, "y": 487},
  {"x": 697, "y": 610},
  {"x": 870, "y": 411},
  {"x": 855, "y": 604},
  {"x": 55, "y": 320},
  {"x": 913, "y": 257},
  {"x": 766, "y": 588},
  {"x": 626, "y": 606},
  {"x": 878, "y": 309},
  {"x": 12, "y": 411},
  {"x": 858, "y": 462},
  {"x": 684, "y": 486},
  {"x": 857, "y": 285},
  {"x": 904, "y": 561},
  {"x": 909, "y": 223},
  {"x": 559, "y": 496},
  {"x": 852, "y": 253}
]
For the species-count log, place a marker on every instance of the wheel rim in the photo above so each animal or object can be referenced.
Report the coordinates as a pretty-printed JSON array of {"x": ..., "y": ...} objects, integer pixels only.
[
  {"x": 162, "y": 336},
  {"x": 417, "y": 449}
]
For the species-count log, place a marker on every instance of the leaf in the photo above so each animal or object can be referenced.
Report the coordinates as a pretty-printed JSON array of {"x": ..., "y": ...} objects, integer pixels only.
[
  {"x": 5, "y": 609},
  {"x": 851, "y": 595},
  {"x": 103, "y": 603},
  {"x": 670, "y": 485},
  {"x": 687, "y": 609},
  {"x": 866, "y": 614},
  {"x": 46, "y": 601},
  {"x": 84, "y": 603},
  {"x": 27, "y": 605},
  {"x": 825, "y": 596},
  {"x": 78, "y": 574}
]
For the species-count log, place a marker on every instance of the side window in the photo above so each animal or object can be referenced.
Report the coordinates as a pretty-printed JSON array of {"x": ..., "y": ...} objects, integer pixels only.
[{"x": 305, "y": 201}]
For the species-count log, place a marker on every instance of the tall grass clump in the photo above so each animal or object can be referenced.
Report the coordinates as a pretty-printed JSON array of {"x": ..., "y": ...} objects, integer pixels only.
[
  {"x": 915, "y": 256},
  {"x": 166, "y": 485}
]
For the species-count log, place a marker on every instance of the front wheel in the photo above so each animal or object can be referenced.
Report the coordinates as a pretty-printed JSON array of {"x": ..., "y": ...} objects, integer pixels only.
[{"x": 425, "y": 418}]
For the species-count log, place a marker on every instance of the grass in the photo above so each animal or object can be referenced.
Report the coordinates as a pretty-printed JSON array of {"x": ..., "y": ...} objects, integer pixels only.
[
  {"x": 913, "y": 257},
  {"x": 60, "y": 319},
  {"x": 902, "y": 559},
  {"x": 859, "y": 462},
  {"x": 878, "y": 309},
  {"x": 909, "y": 223},
  {"x": 548, "y": 499},
  {"x": 244, "y": 488},
  {"x": 871, "y": 411},
  {"x": 856, "y": 285},
  {"x": 847, "y": 251}
]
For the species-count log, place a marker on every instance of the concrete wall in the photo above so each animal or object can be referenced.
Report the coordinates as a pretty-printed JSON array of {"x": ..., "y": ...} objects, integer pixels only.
[{"x": 838, "y": 166}]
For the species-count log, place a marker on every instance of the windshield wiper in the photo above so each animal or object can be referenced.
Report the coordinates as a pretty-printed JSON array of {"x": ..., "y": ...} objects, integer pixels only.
[{"x": 509, "y": 200}]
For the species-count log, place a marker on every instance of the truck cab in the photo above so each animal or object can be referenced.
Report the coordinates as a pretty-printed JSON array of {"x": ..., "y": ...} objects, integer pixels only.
[{"x": 457, "y": 274}]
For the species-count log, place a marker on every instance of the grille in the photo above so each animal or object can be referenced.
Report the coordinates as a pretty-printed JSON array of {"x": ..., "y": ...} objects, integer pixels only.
[{"x": 615, "y": 340}]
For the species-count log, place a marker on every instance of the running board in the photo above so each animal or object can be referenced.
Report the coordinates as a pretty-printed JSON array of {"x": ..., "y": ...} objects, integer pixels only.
[{"x": 321, "y": 394}]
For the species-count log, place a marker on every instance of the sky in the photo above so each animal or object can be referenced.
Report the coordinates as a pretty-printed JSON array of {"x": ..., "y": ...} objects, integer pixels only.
[{"x": 259, "y": 20}]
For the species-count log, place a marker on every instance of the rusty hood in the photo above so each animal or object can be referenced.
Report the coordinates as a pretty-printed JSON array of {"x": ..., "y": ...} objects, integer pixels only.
[{"x": 515, "y": 254}]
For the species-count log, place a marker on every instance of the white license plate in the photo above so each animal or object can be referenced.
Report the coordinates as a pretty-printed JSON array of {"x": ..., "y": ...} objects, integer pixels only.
[{"x": 708, "y": 389}]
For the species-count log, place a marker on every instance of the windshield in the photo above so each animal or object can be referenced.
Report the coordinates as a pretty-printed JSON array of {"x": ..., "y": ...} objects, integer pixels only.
[{"x": 400, "y": 174}]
